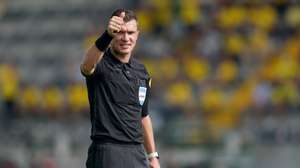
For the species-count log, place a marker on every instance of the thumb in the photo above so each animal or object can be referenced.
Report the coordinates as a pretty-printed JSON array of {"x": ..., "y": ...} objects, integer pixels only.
[{"x": 122, "y": 15}]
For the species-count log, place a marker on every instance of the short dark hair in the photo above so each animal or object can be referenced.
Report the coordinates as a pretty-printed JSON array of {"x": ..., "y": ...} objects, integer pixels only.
[{"x": 129, "y": 14}]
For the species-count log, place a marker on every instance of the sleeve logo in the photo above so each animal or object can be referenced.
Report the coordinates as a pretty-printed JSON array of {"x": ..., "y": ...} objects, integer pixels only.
[{"x": 142, "y": 94}]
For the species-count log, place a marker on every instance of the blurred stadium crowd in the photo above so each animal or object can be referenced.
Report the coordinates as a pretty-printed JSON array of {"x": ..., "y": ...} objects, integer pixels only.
[{"x": 225, "y": 73}]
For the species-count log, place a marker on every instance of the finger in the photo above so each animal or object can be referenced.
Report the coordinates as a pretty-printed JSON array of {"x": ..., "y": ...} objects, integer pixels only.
[
  {"x": 117, "y": 22},
  {"x": 116, "y": 18},
  {"x": 123, "y": 28},
  {"x": 114, "y": 28}
]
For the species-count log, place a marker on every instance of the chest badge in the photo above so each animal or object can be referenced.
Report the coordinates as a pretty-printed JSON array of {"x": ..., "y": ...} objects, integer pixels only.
[{"x": 142, "y": 94}]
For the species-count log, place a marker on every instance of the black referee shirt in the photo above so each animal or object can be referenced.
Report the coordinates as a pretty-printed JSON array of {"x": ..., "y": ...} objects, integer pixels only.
[{"x": 118, "y": 96}]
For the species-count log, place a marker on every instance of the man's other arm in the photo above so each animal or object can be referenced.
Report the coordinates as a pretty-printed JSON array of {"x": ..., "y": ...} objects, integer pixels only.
[{"x": 149, "y": 142}]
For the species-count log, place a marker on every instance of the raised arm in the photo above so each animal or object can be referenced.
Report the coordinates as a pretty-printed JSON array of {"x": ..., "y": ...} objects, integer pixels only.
[{"x": 95, "y": 53}]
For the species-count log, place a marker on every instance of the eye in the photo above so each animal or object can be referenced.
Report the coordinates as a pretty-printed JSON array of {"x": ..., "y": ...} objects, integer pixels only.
[
  {"x": 121, "y": 32},
  {"x": 131, "y": 32}
]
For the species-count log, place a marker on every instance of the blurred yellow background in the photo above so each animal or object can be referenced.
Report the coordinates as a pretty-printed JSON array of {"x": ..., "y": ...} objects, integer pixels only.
[{"x": 225, "y": 80}]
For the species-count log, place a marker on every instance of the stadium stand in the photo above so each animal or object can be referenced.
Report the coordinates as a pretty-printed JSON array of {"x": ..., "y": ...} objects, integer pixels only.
[{"x": 226, "y": 80}]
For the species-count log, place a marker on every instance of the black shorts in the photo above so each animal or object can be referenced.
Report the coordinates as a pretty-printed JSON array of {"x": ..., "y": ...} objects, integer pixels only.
[{"x": 109, "y": 155}]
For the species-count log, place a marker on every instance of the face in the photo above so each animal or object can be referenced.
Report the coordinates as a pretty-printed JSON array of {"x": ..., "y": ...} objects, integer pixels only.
[{"x": 125, "y": 40}]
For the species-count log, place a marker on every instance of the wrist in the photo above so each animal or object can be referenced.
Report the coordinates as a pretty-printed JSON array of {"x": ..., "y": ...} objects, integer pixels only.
[
  {"x": 153, "y": 155},
  {"x": 110, "y": 33},
  {"x": 103, "y": 41}
]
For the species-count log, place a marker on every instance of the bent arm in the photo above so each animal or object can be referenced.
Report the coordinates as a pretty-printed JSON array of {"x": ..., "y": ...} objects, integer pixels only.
[
  {"x": 91, "y": 58},
  {"x": 96, "y": 51}
]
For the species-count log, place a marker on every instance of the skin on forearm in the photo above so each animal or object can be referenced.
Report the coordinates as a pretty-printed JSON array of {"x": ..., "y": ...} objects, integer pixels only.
[
  {"x": 94, "y": 55},
  {"x": 91, "y": 58},
  {"x": 148, "y": 135}
]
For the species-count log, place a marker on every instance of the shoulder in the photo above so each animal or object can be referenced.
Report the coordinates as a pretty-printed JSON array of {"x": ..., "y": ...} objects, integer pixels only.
[
  {"x": 140, "y": 67},
  {"x": 137, "y": 65}
]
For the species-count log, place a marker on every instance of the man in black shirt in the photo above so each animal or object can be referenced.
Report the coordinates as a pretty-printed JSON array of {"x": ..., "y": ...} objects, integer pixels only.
[{"x": 118, "y": 91}]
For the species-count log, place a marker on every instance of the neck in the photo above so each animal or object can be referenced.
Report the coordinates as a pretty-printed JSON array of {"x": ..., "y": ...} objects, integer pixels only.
[{"x": 124, "y": 58}]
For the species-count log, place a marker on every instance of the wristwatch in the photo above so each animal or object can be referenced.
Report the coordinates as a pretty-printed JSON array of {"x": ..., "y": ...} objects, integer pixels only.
[{"x": 153, "y": 155}]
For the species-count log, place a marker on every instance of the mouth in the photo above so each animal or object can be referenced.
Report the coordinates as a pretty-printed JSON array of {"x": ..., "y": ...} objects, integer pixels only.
[{"x": 125, "y": 46}]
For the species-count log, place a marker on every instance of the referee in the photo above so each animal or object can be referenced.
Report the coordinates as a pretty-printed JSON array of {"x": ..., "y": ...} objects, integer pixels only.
[{"x": 118, "y": 91}]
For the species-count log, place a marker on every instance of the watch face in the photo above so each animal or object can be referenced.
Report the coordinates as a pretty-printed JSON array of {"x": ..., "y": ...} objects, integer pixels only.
[{"x": 153, "y": 155}]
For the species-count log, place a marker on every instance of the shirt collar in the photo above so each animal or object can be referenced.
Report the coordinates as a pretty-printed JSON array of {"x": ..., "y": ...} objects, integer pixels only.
[{"x": 116, "y": 60}]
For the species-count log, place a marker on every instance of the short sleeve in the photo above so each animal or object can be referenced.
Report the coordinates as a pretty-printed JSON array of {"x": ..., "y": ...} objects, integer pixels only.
[
  {"x": 98, "y": 70},
  {"x": 146, "y": 104}
]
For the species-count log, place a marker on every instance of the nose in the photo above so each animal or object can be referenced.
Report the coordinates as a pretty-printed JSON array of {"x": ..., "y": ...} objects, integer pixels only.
[
  {"x": 124, "y": 34},
  {"x": 125, "y": 37}
]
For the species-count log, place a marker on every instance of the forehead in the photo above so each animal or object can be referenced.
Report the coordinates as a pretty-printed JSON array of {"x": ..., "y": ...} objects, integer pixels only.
[{"x": 131, "y": 25}]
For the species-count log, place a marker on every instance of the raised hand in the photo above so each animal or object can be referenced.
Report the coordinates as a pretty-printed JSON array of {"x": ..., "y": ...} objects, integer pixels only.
[{"x": 115, "y": 24}]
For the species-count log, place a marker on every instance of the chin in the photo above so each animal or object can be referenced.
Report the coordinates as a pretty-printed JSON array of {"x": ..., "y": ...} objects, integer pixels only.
[
  {"x": 123, "y": 52},
  {"x": 120, "y": 52}
]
